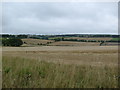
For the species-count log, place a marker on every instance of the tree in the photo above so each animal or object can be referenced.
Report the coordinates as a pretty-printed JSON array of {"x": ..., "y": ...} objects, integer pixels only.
[
  {"x": 62, "y": 39},
  {"x": 101, "y": 43},
  {"x": 12, "y": 42}
]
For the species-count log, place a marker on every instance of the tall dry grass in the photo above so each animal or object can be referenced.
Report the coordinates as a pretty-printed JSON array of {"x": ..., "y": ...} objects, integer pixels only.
[{"x": 25, "y": 73}]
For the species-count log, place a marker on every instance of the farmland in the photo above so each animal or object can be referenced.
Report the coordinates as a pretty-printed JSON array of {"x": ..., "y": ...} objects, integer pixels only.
[
  {"x": 41, "y": 42},
  {"x": 71, "y": 43},
  {"x": 59, "y": 44},
  {"x": 61, "y": 61},
  {"x": 84, "y": 38},
  {"x": 35, "y": 42},
  {"x": 60, "y": 67}
]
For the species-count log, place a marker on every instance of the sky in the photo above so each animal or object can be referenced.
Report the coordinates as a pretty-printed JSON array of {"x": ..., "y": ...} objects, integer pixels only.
[{"x": 60, "y": 17}]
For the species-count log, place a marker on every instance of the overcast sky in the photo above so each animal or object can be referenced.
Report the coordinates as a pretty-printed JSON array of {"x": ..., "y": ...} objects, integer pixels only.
[{"x": 60, "y": 17}]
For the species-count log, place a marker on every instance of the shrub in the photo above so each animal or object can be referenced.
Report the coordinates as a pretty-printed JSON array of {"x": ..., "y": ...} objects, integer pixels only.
[{"x": 12, "y": 42}]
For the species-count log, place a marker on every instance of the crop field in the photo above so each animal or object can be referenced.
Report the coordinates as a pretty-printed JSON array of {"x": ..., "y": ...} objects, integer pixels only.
[
  {"x": 85, "y": 38},
  {"x": 60, "y": 67},
  {"x": 34, "y": 42},
  {"x": 116, "y": 39},
  {"x": 71, "y": 43},
  {"x": 41, "y": 42}
]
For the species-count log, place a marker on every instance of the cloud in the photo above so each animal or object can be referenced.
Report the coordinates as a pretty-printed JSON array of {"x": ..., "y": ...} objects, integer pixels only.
[{"x": 60, "y": 17}]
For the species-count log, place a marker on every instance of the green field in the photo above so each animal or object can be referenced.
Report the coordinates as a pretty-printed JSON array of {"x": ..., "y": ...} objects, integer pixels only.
[{"x": 115, "y": 39}]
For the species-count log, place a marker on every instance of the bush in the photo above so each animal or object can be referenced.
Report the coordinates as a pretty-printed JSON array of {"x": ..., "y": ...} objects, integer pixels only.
[{"x": 12, "y": 42}]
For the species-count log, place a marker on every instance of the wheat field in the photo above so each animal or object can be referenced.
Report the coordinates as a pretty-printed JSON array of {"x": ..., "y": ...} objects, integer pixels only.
[{"x": 60, "y": 67}]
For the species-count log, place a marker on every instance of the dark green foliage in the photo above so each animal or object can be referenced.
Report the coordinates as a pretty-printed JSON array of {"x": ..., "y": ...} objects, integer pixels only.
[
  {"x": 53, "y": 36},
  {"x": 45, "y": 37},
  {"x": 24, "y": 42},
  {"x": 57, "y": 39},
  {"x": 101, "y": 43},
  {"x": 48, "y": 42},
  {"x": 12, "y": 42},
  {"x": 7, "y": 70},
  {"x": 35, "y": 37}
]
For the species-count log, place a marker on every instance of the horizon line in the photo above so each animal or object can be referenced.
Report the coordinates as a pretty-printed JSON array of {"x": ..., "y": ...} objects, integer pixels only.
[{"x": 61, "y": 33}]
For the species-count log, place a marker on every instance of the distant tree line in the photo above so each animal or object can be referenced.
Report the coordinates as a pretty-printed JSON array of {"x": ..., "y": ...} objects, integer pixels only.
[
  {"x": 14, "y": 36},
  {"x": 50, "y": 36},
  {"x": 62, "y": 37},
  {"x": 78, "y": 40}
]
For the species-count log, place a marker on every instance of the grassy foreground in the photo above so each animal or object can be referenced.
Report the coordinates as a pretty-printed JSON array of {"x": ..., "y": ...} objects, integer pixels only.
[{"x": 24, "y": 73}]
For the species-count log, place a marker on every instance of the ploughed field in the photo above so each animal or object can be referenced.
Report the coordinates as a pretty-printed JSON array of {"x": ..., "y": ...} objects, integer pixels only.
[{"x": 60, "y": 67}]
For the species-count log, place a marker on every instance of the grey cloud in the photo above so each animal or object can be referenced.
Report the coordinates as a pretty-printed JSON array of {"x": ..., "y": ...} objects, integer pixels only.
[{"x": 56, "y": 18}]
